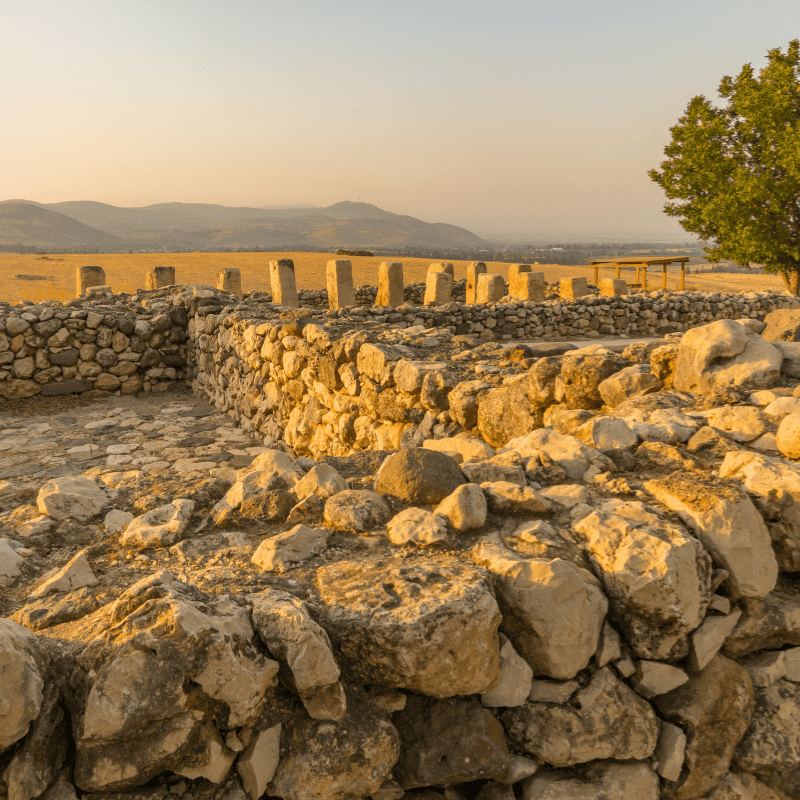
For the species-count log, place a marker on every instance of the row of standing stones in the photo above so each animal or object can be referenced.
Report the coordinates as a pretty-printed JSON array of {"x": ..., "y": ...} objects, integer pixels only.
[{"x": 620, "y": 638}]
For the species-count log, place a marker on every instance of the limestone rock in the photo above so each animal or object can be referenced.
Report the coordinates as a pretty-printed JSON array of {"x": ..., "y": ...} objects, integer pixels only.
[
  {"x": 71, "y": 498},
  {"x": 416, "y": 526},
  {"x": 782, "y": 325},
  {"x": 292, "y": 547},
  {"x": 653, "y": 678},
  {"x": 75, "y": 574},
  {"x": 713, "y": 708},
  {"x": 582, "y": 375},
  {"x": 603, "y": 720},
  {"x": 631, "y": 381},
  {"x": 448, "y": 741},
  {"x": 259, "y": 761},
  {"x": 506, "y": 413},
  {"x": 728, "y": 524},
  {"x": 656, "y": 576},
  {"x": 463, "y": 402},
  {"x": 604, "y": 780},
  {"x": 469, "y": 449},
  {"x": 725, "y": 353},
  {"x": 740, "y": 423},
  {"x": 270, "y": 470},
  {"x": 160, "y": 527},
  {"x": 515, "y": 682},
  {"x": 541, "y": 380},
  {"x": 503, "y": 467},
  {"x": 552, "y": 610},
  {"x": 466, "y": 508},
  {"x": 167, "y": 665},
  {"x": 286, "y": 628},
  {"x": 606, "y": 433},
  {"x": 10, "y": 561},
  {"x": 321, "y": 481},
  {"x": 767, "y": 624},
  {"x": 356, "y": 510},
  {"x": 788, "y": 436},
  {"x": 509, "y": 498},
  {"x": 427, "y": 625},
  {"x": 418, "y": 476},
  {"x": 21, "y": 681},
  {"x": 709, "y": 638}
]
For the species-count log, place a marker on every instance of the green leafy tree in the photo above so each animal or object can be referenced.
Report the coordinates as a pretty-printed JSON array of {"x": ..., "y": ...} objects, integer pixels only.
[{"x": 733, "y": 171}]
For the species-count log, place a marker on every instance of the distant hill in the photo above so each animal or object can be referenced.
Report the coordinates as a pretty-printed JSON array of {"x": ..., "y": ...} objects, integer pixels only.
[
  {"x": 31, "y": 224},
  {"x": 206, "y": 226}
]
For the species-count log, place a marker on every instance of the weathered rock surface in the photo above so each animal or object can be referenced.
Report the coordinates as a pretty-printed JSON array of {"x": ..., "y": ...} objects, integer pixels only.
[
  {"x": 604, "y": 780},
  {"x": 160, "y": 527},
  {"x": 427, "y": 625},
  {"x": 767, "y": 624},
  {"x": 416, "y": 526},
  {"x": 71, "y": 498},
  {"x": 356, "y": 510},
  {"x": 465, "y": 508},
  {"x": 418, "y": 476}
]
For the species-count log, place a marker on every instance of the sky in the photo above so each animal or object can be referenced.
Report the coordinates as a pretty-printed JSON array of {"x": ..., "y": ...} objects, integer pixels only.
[{"x": 517, "y": 120}]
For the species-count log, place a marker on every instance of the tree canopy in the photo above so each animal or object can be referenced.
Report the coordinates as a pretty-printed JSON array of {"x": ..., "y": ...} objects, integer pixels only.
[{"x": 733, "y": 170}]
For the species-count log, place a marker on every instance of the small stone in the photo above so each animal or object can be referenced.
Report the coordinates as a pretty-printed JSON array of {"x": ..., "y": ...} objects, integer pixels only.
[
  {"x": 75, "y": 574},
  {"x": 116, "y": 520},
  {"x": 515, "y": 680},
  {"x": 466, "y": 508},
  {"x": 417, "y": 526},
  {"x": 296, "y": 545}
]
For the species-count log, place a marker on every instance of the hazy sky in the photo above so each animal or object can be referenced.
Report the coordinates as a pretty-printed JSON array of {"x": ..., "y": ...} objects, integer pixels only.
[{"x": 529, "y": 118}]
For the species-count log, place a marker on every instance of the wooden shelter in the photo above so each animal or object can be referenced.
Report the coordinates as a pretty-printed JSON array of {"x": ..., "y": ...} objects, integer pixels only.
[{"x": 641, "y": 265}]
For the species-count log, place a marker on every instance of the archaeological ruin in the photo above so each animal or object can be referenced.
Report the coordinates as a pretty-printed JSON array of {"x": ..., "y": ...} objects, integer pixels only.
[{"x": 485, "y": 539}]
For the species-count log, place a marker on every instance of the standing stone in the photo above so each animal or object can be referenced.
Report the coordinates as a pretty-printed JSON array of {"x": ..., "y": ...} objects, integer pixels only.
[
  {"x": 517, "y": 269},
  {"x": 572, "y": 287},
  {"x": 89, "y": 276},
  {"x": 390, "y": 284},
  {"x": 438, "y": 288},
  {"x": 613, "y": 287},
  {"x": 527, "y": 286},
  {"x": 159, "y": 277},
  {"x": 443, "y": 266},
  {"x": 284, "y": 288},
  {"x": 229, "y": 279},
  {"x": 491, "y": 288},
  {"x": 474, "y": 270},
  {"x": 340, "y": 284}
]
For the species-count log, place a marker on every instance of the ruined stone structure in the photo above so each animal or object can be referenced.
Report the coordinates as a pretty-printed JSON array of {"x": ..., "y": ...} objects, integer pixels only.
[{"x": 423, "y": 551}]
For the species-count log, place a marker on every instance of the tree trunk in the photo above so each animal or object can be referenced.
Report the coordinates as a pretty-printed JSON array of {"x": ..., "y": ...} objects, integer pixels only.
[{"x": 791, "y": 277}]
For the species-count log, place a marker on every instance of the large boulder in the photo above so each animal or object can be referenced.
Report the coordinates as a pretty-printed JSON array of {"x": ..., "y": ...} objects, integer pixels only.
[
  {"x": 778, "y": 484},
  {"x": 713, "y": 709},
  {"x": 168, "y": 673},
  {"x": 728, "y": 524},
  {"x": 540, "y": 382},
  {"x": 782, "y": 325},
  {"x": 447, "y": 741},
  {"x": 425, "y": 625},
  {"x": 725, "y": 353},
  {"x": 553, "y": 611},
  {"x": 506, "y": 413},
  {"x": 605, "y": 719},
  {"x": 629, "y": 382},
  {"x": 656, "y": 576},
  {"x": 418, "y": 475},
  {"x": 463, "y": 402},
  {"x": 581, "y": 376},
  {"x": 767, "y": 624}
]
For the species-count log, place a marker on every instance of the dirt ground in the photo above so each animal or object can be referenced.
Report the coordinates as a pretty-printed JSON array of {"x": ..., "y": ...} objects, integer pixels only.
[{"x": 42, "y": 277}]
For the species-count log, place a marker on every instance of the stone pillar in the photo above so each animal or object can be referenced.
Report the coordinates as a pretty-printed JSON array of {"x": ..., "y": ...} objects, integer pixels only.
[
  {"x": 443, "y": 266},
  {"x": 474, "y": 269},
  {"x": 281, "y": 278},
  {"x": 438, "y": 288},
  {"x": 613, "y": 287},
  {"x": 88, "y": 276},
  {"x": 527, "y": 286},
  {"x": 341, "y": 294},
  {"x": 229, "y": 279},
  {"x": 390, "y": 284},
  {"x": 515, "y": 270},
  {"x": 491, "y": 288},
  {"x": 159, "y": 277},
  {"x": 572, "y": 287}
]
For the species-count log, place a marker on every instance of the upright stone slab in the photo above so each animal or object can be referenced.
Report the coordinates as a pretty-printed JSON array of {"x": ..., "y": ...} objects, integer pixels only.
[
  {"x": 527, "y": 286},
  {"x": 474, "y": 269},
  {"x": 229, "y": 279},
  {"x": 89, "y": 276},
  {"x": 281, "y": 278},
  {"x": 159, "y": 277},
  {"x": 443, "y": 266},
  {"x": 516, "y": 269},
  {"x": 613, "y": 287},
  {"x": 491, "y": 288},
  {"x": 438, "y": 288},
  {"x": 572, "y": 287},
  {"x": 340, "y": 284},
  {"x": 390, "y": 284}
]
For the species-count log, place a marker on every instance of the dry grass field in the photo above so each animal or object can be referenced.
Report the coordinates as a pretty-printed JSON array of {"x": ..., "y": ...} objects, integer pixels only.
[{"x": 41, "y": 277}]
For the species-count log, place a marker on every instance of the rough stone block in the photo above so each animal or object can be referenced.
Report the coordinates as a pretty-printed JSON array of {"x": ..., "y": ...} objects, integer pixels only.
[
  {"x": 390, "y": 284},
  {"x": 89, "y": 276},
  {"x": 438, "y": 288},
  {"x": 284, "y": 288},
  {"x": 159, "y": 277},
  {"x": 229, "y": 279},
  {"x": 613, "y": 287},
  {"x": 517, "y": 269},
  {"x": 491, "y": 288},
  {"x": 443, "y": 266},
  {"x": 474, "y": 269},
  {"x": 527, "y": 286},
  {"x": 572, "y": 287},
  {"x": 339, "y": 273},
  {"x": 66, "y": 387}
]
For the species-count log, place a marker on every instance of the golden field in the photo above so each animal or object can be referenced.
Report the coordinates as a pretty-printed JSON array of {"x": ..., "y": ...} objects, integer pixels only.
[{"x": 126, "y": 272}]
